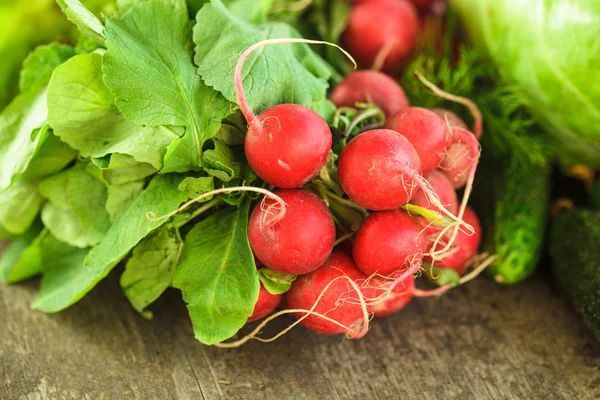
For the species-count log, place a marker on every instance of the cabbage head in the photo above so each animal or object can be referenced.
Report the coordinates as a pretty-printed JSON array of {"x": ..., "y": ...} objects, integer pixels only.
[{"x": 551, "y": 50}]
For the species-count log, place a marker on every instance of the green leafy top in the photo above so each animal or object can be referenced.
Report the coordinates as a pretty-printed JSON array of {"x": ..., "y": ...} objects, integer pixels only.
[
  {"x": 163, "y": 88},
  {"x": 138, "y": 118},
  {"x": 86, "y": 22},
  {"x": 290, "y": 73}
]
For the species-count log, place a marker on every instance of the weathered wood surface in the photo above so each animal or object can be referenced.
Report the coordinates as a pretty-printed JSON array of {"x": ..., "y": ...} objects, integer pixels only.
[{"x": 478, "y": 342}]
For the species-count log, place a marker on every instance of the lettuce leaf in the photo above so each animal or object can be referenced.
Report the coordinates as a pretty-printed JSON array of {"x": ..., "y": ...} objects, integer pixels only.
[{"x": 549, "y": 48}]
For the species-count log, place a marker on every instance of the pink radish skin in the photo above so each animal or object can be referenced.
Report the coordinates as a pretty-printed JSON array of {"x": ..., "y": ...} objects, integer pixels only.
[
  {"x": 443, "y": 187},
  {"x": 389, "y": 241},
  {"x": 266, "y": 304},
  {"x": 389, "y": 303},
  {"x": 453, "y": 120},
  {"x": 460, "y": 157},
  {"x": 455, "y": 163},
  {"x": 382, "y": 28},
  {"x": 425, "y": 131},
  {"x": 373, "y": 87},
  {"x": 465, "y": 246},
  {"x": 340, "y": 302},
  {"x": 376, "y": 169},
  {"x": 290, "y": 147},
  {"x": 297, "y": 243},
  {"x": 286, "y": 144}
]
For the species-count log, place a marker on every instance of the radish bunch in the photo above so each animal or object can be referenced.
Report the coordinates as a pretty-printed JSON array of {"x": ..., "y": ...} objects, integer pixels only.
[{"x": 293, "y": 231}]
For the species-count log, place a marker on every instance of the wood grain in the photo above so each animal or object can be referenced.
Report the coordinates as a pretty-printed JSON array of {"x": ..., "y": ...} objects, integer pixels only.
[{"x": 478, "y": 342}]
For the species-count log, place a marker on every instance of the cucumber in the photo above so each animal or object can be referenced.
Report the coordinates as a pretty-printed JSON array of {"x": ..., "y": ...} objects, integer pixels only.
[
  {"x": 514, "y": 215},
  {"x": 575, "y": 253}
]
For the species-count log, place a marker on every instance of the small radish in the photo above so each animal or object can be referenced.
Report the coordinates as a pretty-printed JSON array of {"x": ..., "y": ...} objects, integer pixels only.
[
  {"x": 446, "y": 115},
  {"x": 425, "y": 131},
  {"x": 464, "y": 248},
  {"x": 287, "y": 144},
  {"x": 329, "y": 288},
  {"x": 266, "y": 304},
  {"x": 389, "y": 241},
  {"x": 456, "y": 163},
  {"x": 382, "y": 34},
  {"x": 298, "y": 242},
  {"x": 443, "y": 187},
  {"x": 385, "y": 303},
  {"x": 378, "y": 168},
  {"x": 370, "y": 86}
]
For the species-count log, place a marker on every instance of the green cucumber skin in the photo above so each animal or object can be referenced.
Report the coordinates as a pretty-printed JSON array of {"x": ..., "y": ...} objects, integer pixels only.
[
  {"x": 515, "y": 228},
  {"x": 575, "y": 253}
]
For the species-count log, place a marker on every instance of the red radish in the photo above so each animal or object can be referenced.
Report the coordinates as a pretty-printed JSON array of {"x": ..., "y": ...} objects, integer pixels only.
[
  {"x": 456, "y": 164},
  {"x": 425, "y": 131},
  {"x": 298, "y": 242},
  {"x": 370, "y": 86},
  {"x": 286, "y": 144},
  {"x": 378, "y": 168},
  {"x": 389, "y": 241},
  {"x": 464, "y": 248},
  {"x": 334, "y": 296},
  {"x": 266, "y": 304},
  {"x": 382, "y": 33},
  {"x": 443, "y": 187},
  {"x": 446, "y": 115},
  {"x": 388, "y": 303}
]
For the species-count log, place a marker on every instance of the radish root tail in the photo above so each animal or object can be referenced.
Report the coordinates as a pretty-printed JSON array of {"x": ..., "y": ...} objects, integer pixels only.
[
  {"x": 470, "y": 104},
  {"x": 351, "y": 332},
  {"x": 150, "y": 216}
]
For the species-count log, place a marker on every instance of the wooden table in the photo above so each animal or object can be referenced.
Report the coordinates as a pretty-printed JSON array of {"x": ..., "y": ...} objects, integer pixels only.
[{"x": 477, "y": 342}]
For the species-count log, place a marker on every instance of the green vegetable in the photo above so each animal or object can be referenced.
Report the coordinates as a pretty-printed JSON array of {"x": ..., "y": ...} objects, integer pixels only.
[
  {"x": 514, "y": 229},
  {"x": 160, "y": 197},
  {"x": 20, "y": 203},
  {"x": 149, "y": 271},
  {"x": 65, "y": 279},
  {"x": 120, "y": 197},
  {"x": 40, "y": 63},
  {"x": 19, "y": 206},
  {"x": 442, "y": 276},
  {"x": 86, "y": 22},
  {"x": 275, "y": 282},
  {"x": 19, "y": 123},
  {"x": 21, "y": 259},
  {"x": 270, "y": 77},
  {"x": 109, "y": 137},
  {"x": 89, "y": 121},
  {"x": 217, "y": 275},
  {"x": 549, "y": 48},
  {"x": 75, "y": 212},
  {"x": 576, "y": 261},
  {"x": 26, "y": 24},
  {"x": 164, "y": 89}
]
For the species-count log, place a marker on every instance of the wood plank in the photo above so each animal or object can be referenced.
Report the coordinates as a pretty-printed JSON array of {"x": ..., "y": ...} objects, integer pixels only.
[{"x": 479, "y": 341}]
